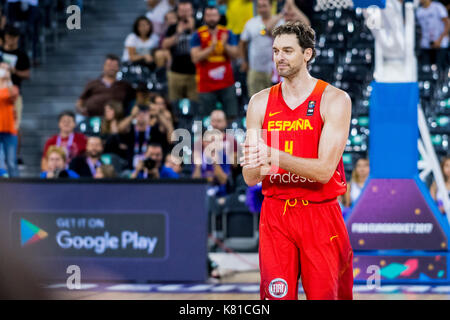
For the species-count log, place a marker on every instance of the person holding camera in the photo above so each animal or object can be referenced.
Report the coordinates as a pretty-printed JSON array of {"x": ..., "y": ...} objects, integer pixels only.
[
  {"x": 181, "y": 77},
  {"x": 8, "y": 128},
  {"x": 152, "y": 165},
  {"x": 56, "y": 164}
]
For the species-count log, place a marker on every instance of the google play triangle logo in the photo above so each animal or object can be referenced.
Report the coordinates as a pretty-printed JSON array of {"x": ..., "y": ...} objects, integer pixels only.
[{"x": 29, "y": 233}]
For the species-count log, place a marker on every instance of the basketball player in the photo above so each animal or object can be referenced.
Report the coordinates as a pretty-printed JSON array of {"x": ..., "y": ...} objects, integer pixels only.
[{"x": 298, "y": 158}]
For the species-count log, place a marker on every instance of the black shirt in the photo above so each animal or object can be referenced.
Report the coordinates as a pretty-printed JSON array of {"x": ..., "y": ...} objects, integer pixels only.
[
  {"x": 79, "y": 165},
  {"x": 181, "y": 52},
  {"x": 17, "y": 59},
  {"x": 156, "y": 136}
]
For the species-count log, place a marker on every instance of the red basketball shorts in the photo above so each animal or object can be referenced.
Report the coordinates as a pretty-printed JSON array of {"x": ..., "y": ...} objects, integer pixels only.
[{"x": 308, "y": 240}]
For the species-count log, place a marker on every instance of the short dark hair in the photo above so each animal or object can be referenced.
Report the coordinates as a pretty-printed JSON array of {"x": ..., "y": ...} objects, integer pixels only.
[
  {"x": 136, "y": 25},
  {"x": 112, "y": 56},
  {"x": 155, "y": 145},
  {"x": 12, "y": 31},
  {"x": 210, "y": 7},
  {"x": 66, "y": 113},
  {"x": 305, "y": 34}
]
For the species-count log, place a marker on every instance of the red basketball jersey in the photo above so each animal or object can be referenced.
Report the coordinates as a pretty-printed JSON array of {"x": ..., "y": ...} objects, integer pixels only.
[{"x": 299, "y": 134}]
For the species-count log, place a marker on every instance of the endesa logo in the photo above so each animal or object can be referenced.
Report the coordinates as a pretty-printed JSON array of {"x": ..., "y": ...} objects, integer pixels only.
[
  {"x": 288, "y": 178},
  {"x": 278, "y": 288}
]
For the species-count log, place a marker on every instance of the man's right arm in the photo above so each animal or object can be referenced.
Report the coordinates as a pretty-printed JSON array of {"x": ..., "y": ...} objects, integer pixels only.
[{"x": 255, "y": 117}]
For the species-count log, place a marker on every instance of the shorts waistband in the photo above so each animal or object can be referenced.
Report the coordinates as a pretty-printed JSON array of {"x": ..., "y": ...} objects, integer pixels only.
[{"x": 304, "y": 201}]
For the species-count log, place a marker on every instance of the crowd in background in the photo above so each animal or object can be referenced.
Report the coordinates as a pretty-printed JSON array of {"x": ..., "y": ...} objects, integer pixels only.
[{"x": 198, "y": 57}]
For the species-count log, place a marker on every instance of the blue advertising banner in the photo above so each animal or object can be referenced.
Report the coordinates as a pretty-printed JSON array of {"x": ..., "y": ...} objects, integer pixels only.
[{"x": 115, "y": 230}]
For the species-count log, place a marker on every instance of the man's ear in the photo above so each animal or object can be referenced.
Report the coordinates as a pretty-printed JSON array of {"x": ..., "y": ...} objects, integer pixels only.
[{"x": 308, "y": 54}]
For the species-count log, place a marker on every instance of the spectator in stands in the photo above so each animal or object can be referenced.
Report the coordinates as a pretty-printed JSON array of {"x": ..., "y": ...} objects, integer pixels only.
[
  {"x": 359, "y": 176},
  {"x": 8, "y": 130},
  {"x": 141, "y": 43},
  {"x": 86, "y": 165},
  {"x": 256, "y": 48},
  {"x": 435, "y": 25},
  {"x": 157, "y": 10},
  {"x": 137, "y": 137},
  {"x": 213, "y": 163},
  {"x": 298, "y": 10},
  {"x": 105, "y": 171},
  {"x": 152, "y": 165},
  {"x": 19, "y": 64},
  {"x": 438, "y": 195},
  {"x": 181, "y": 76},
  {"x": 56, "y": 160},
  {"x": 161, "y": 108},
  {"x": 109, "y": 130},
  {"x": 97, "y": 92},
  {"x": 28, "y": 11},
  {"x": 212, "y": 48},
  {"x": 175, "y": 163},
  {"x": 73, "y": 142}
]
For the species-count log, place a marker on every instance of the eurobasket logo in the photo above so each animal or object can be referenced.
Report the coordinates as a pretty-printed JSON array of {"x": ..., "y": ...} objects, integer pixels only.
[{"x": 29, "y": 233}]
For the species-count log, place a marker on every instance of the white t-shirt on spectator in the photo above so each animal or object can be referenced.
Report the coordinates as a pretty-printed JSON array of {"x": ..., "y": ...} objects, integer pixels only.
[
  {"x": 430, "y": 21},
  {"x": 142, "y": 47},
  {"x": 259, "y": 45},
  {"x": 157, "y": 14}
]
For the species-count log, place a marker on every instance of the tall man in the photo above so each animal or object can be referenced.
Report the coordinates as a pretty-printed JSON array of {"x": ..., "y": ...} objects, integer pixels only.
[
  {"x": 299, "y": 162},
  {"x": 212, "y": 48}
]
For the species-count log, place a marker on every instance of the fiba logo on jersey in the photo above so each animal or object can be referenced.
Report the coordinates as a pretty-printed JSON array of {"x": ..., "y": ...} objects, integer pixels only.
[{"x": 278, "y": 288}]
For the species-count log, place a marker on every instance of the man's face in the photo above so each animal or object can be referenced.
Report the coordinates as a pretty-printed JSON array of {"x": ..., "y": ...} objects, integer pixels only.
[
  {"x": 185, "y": 10},
  {"x": 143, "y": 117},
  {"x": 11, "y": 41},
  {"x": 218, "y": 120},
  {"x": 264, "y": 8},
  {"x": 66, "y": 124},
  {"x": 110, "y": 68},
  {"x": 212, "y": 18},
  {"x": 94, "y": 147},
  {"x": 55, "y": 162},
  {"x": 155, "y": 153},
  {"x": 288, "y": 55}
]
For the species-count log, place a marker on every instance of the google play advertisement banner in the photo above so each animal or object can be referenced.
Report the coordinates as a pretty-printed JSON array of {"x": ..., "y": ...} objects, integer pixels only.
[{"x": 91, "y": 235}]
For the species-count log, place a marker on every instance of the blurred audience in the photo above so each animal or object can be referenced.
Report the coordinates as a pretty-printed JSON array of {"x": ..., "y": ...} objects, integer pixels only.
[
  {"x": 152, "y": 166},
  {"x": 139, "y": 130},
  {"x": 8, "y": 129},
  {"x": 359, "y": 176},
  {"x": 435, "y": 26},
  {"x": 140, "y": 44},
  {"x": 109, "y": 130},
  {"x": 56, "y": 159},
  {"x": 86, "y": 165},
  {"x": 74, "y": 143},
  {"x": 160, "y": 107},
  {"x": 97, "y": 92},
  {"x": 212, "y": 48},
  {"x": 105, "y": 171},
  {"x": 157, "y": 10},
  {"x": 181, "y": 76},
  {"x": 438, "y": 195},
  {"x": 175, "y": 163},
  {"x": 256, "y": 48}
]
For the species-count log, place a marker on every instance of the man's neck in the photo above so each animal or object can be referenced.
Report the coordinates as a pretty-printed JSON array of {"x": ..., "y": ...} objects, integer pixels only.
[
  {"x": 93, "y": 159},
  {"x": 141, "y": 126},
  {"x": 108, "y": 79},
  {"x": 426, "y": 5},
  {"x": 64, "y": 134},
  {"x": 266, "y": 18},
  {"x": 300, "y": 82},
  {"x": 10, "y": 48}
]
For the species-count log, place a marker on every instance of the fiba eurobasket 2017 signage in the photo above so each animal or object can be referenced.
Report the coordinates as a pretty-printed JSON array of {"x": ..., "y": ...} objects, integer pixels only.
[{"x": 92, "y": 235}]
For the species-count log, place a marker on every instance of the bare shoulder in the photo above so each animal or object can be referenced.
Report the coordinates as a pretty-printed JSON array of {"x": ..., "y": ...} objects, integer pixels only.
[
  {"x": 335, "y": 102},
  {"x": 257, "y": 106}
]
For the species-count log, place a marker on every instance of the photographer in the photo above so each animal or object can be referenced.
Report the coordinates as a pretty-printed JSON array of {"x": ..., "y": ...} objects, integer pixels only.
[
  {"x": 152, "y": 166},
  {"x": 56, "y": 164}
]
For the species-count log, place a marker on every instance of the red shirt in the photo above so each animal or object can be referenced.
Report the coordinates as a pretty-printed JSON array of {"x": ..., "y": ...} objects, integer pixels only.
[
  {"x": 299, "y": 134},
  {"x": 75, "y": 146},
  {"x": 215, "y": 72}
]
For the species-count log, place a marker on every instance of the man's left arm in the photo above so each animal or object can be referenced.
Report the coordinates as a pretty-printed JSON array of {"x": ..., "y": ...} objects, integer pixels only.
[{"x": 336, "y": 110}]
